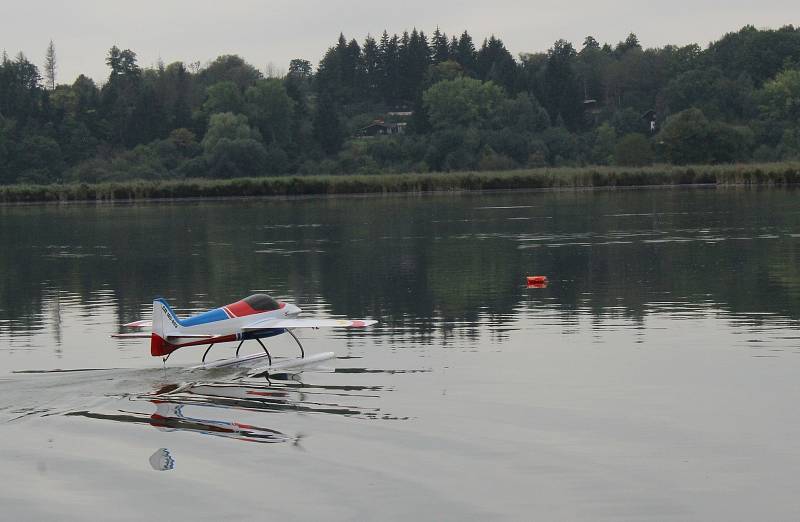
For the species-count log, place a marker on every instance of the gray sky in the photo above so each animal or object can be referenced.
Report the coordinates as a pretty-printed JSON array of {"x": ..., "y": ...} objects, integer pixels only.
[{"x": 276, "y": 31}]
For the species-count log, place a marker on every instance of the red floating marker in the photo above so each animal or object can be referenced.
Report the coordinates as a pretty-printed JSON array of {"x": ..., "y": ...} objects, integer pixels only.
[{"x": 538, "y": 281}]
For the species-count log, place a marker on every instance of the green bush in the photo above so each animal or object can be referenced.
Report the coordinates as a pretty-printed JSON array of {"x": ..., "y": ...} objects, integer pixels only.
[{"x": 633, "y": 150}]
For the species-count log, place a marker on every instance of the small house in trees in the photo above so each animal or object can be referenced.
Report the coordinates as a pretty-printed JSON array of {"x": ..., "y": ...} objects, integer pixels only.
[{"x": 381, "y": 128}]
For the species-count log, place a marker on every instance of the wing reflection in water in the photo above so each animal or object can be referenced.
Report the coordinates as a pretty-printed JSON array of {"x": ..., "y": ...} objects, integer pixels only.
[{"x": 169, "y": 417}]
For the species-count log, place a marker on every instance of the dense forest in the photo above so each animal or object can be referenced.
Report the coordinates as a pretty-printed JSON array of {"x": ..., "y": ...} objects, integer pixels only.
[{"x": 408, "y": 103}]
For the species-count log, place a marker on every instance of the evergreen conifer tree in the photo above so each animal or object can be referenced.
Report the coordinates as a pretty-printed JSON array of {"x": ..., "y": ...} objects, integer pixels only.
[
  {"x": 465, "y": 53},
  {"x": 440, "y": 47},
  {"x": 50, "y": 66}
]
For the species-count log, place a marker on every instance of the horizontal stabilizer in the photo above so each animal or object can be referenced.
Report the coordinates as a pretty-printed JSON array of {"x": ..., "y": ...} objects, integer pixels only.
[
  {"x": 139, "y": 324},
  {"x": 308, "y": 323},
  {"x": 171, "y": 335},
  {"x": 179, "y": 335}
]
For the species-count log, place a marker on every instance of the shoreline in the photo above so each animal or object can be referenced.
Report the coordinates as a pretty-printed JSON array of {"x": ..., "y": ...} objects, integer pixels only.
[{"x": 561, "y": 178}]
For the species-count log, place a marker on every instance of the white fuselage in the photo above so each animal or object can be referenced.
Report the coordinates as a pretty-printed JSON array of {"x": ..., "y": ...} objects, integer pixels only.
[{"x": 228, "y": 327}]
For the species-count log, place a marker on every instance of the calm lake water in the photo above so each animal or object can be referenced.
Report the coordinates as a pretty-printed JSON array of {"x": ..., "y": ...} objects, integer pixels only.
[{"x": 657, "y": 377}]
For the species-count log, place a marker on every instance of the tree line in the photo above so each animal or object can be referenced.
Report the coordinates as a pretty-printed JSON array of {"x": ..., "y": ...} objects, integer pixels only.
[{"x": 456, "y": 106}]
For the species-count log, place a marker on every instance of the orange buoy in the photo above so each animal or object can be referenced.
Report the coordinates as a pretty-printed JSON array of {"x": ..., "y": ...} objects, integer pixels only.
[{"x": 538, "y": 280}]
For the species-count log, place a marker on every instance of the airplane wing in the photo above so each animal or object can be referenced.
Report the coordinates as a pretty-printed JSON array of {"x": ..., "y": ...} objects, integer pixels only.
[
  {"x": 172, "y": 335},
  {"x": 308, "y": 323}
]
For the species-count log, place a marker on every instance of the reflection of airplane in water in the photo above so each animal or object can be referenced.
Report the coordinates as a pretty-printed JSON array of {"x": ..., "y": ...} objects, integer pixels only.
[
  {"x": 210, "y": 399},
  {"x": 169, "y": 417}
]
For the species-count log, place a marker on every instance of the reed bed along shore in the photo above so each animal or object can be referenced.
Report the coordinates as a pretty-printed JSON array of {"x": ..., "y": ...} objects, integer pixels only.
[{"x": 786, "y": 173}]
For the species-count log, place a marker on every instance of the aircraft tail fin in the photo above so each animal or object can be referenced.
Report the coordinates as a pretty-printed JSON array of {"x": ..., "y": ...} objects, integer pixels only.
[{"x": 164, "y": 320}]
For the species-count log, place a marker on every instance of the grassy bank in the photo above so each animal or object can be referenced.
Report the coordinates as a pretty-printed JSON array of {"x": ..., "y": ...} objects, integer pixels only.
[{"x": 787, "y": 173}]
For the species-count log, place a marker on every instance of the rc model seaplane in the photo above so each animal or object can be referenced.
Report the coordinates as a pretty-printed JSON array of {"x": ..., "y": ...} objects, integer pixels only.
[{"x": 253, "y": 318}]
